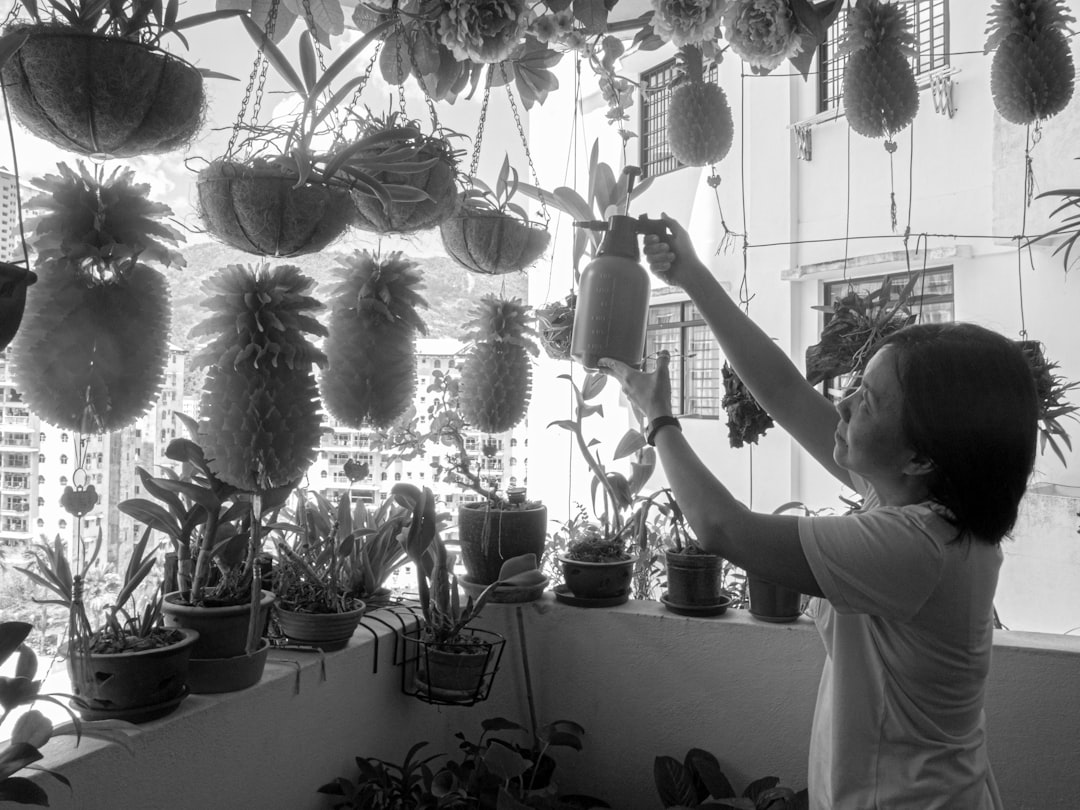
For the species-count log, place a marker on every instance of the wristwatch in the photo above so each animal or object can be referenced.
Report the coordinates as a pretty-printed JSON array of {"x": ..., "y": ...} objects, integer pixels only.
[{"x": 656, "y": 424}]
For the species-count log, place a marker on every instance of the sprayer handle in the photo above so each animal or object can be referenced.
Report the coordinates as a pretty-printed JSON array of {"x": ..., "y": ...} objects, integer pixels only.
[{"x": 645, "y": 225}]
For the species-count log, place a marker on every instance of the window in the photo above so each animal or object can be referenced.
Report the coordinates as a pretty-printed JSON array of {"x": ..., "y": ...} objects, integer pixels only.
[
  {"x": 934, "y": 304},
  {"x": 656, "y": 158},
  {"x": 63, "y": 459},
  {"x": 928, "y": 20},
  {"x": 695, "y": 357}
]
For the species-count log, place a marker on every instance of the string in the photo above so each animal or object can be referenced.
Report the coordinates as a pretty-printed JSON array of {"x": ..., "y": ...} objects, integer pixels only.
[
  {"x": 744, "y": 285},
  {"x": 1025, "y": 202}
]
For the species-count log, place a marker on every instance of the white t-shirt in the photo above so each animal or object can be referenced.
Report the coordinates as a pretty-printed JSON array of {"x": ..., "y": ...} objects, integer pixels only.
[{"x": 907, "y": 622}]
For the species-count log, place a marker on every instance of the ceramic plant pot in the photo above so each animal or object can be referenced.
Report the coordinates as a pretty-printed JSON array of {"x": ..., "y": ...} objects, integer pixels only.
[
  {"x": 774, "y": 603},
  {"x": 132, "y": 686},
  {"x": 460, "y": 674},
  {"x": 223, "y": 631},
  {"x": 493, "y": 243},
  {"x": 256, "y": 207},
  {"x": 100, "y": 95},
  {"x": 694, "y": 580},
  {"x": 327, "y": 631},
  {"x": 597, "y": 580},
  {"x": 489, "y": 537},
  {"x": 209, "y": 676}
]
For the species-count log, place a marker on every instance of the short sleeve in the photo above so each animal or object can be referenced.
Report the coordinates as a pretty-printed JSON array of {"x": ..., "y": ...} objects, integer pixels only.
[{"x": 884, "y": 562}]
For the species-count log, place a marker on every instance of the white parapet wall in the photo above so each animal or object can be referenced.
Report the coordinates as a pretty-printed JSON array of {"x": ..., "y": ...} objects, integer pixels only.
[{"x": 642, "y": 682}]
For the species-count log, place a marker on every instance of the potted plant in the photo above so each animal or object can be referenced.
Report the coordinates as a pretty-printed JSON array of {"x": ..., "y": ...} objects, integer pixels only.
[
  {"x": 92, "y": 78},
  {"x": 91, "y": 353},
  {"x": 130, "y": 666},
  {"x": 314, "y": 601},
  {"x": 454, "y": 661},
  {"x": 502, "y": 524},
  {"x": 209, "y": 523},
  {"x": 290, "y": 195},
  {"x": 699, "y": 781},
  {"x": 747, "y": 421},
  {"x": 770, "y": 601},
  {"x": 426, "y": 188},
  {"x": 1051, "y": 389},
  {"x": 695, "y": 577},
  {"x": 490, "y": 233}
]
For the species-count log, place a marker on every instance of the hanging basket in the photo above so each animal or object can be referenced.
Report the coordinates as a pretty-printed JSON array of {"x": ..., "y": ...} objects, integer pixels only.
[
  {"x": 90, "y": 357},
  {"x": 100, "y": 95},
  {"x": 438, "y": 182},
  {"x": 256, "y": 207},
  {"x": 14, "y": 279},
  {"x": 493, "y": 243}
]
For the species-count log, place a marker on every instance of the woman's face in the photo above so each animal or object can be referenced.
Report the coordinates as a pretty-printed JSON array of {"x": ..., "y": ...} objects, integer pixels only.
[{"x": 869, "y": 438}]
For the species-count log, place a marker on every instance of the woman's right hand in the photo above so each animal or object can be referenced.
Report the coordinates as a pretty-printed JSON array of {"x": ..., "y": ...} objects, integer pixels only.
[{"x": 672, "y": 258}]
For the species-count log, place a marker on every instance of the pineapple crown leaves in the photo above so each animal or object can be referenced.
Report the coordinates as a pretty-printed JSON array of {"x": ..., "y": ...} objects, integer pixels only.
[
  {"x": 691, "y": 65},
  {"x": 258, "y": 316},
  {"x": 1028, "y": 18},
  {"x": 502, "y": 320},
  {"x": 108, "y": 220},
  {"x": 389, "y": 287},
  {"x": 877, "y": 25}
]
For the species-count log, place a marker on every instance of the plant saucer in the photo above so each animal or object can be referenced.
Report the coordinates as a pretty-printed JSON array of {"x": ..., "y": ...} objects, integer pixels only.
[
  {"x": 138, "y": 714},
  {"x": 563, "y": 594},
  {"x": 697, "y": 610},
  {"x": 505, "y": 593}
]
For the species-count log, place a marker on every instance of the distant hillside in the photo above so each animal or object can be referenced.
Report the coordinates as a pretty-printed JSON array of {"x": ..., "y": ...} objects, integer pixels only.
[{"x": 451, "y": 291}]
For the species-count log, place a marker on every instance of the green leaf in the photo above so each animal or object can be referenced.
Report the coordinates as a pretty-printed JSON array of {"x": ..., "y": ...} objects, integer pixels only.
[
  {"x": 593, "y": 14},
  {"x": 275, "y": 57},
  {"x": 593, "y": 385},
  {"x": 20, "y": 790},
  {"x": 152, "y": 514},
  {"x": 630, "y": 443},
  {"x": 338, "y": 65},
  {"x": 674, "y": 783},
  {"x": 565, "y": 424},
  {"x": 12, "y": 635},
  {"x": 308, "y": 65}
]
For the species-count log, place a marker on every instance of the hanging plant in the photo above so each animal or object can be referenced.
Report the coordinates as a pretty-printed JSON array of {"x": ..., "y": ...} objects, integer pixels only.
[
  {"x": 1032, "y": 72},
  {"x": 371, "y": 347},
  {"x": 700, "y": 128},
  {"x": 91, "y": 77},
  {"x": 496, "y": 377},
  {"x": 259, "y": 410},
  {"x": 14, "y": 281},
  {"x": 747, "y": 421},
  {"x": 556, "y": 321},
  {"x": 857, "y": 323},
  {"x": 91, "y": 353},
  {"x": 424, "y": 191},
  {"x": 490, "y": 233},
  {"x": 1051, "y": 390},
  {"x": 284, "y": 199},
  {"x": 880, "y": 93}
]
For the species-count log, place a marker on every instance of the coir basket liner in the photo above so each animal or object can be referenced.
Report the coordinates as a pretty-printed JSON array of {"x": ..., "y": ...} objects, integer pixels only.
[{"x": 99, "y": 95}]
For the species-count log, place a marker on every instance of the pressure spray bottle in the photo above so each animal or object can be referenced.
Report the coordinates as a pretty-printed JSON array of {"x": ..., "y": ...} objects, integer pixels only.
[{"x": 613, "y": 297}]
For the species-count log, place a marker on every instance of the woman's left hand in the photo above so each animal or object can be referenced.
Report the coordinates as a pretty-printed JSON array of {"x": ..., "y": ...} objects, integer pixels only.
[{"x": 648, "y": 392}]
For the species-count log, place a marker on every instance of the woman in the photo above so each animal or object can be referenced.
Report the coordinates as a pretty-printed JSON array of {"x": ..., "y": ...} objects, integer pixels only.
[{"x": 939, "y": 438}]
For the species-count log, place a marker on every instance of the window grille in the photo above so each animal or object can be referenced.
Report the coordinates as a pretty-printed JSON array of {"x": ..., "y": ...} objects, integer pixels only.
[
  {"x": 656, "y": 157},
  {"x": 695, "y": 357},
  {"x": 929, "y": 21}
]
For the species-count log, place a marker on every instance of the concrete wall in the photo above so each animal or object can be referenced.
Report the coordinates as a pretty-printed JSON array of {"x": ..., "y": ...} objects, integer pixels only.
[{"x": 642, "y": 682}]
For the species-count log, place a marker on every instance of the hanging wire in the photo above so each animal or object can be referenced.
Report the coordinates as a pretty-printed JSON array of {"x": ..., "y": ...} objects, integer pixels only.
[
  {"x": 253, "y": 93},
  {"x": 744, "y": 284}
]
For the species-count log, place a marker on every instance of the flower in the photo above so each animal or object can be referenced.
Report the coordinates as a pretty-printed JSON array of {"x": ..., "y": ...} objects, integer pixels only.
[
  {"x": 483, "y": 30},
  {"x": 686, "y": 22},
  {"x": 33, "y": 728},
  {"x": 763, "y": 32}
]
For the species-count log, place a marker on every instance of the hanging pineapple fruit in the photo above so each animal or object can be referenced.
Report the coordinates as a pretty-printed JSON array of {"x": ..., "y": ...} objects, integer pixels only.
[
  {"x": 91, "y": 353},
  {"x": 371, "y": 348},
  {"x": 880, "y": 94},
  {"x": 1032, "y": 73},
  {"x": 259, "y": 411},
  {"x": 700, "y": 129},
  {"x": 496, "y": 378}
]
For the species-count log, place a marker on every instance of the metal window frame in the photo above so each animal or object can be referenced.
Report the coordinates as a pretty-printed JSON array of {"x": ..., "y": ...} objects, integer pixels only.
[
  {"x": 655, "y": 158},
  {"x": 932, "y": 33},
  {"x": 683, "y": 327}
]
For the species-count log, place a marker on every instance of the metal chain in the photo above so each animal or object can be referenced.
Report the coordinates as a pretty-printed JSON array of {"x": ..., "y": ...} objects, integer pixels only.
[
  {"x": 423, "y": 87},
  {"x": 475, "y": 162},
  {"x": 351, "y": 107},
  {"x": 256, "y": 79},
  {"x": 399, "y": 29},
  {"x": 524, "y": 143},
  {"x": 310, "y": 19},
  {"x": 13, "y": 12}
]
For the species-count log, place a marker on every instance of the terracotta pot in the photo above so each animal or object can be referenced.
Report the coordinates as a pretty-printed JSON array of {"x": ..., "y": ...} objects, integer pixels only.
[
  {"x": 493, "y": 243},
  {"x": 257, "y": 208},
  {"x": 694, "y": 579},
  {"x": 100, "y": 95},
  {"x": 327, "y": 631},
  {"x": 132, "y": 686},
  {"x": 446, "y": 675},
  {"x": 222, "y": 630},
  {"x": 489, "y": 537},
  {"x": 14, "y": 279},
  {"x": 597, "y": 580},
  {"x": 773, "y": 603}
]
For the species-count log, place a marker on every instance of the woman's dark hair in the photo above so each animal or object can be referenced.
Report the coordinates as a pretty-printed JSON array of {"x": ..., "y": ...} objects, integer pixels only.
[{"x": 970, "y": 407}]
